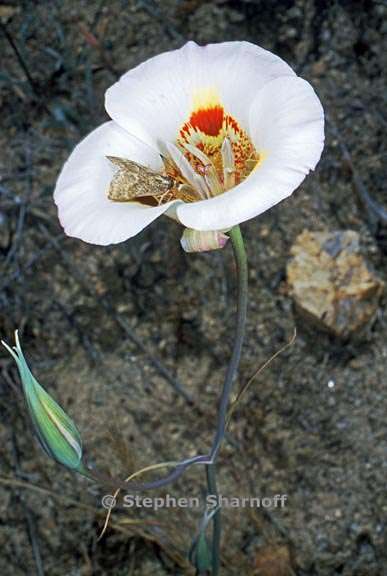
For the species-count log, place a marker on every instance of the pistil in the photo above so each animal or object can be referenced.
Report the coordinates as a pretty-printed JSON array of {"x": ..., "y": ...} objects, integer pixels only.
[
  {"x": 209, "y": 171},
  {"x": 228, "y": 162}
]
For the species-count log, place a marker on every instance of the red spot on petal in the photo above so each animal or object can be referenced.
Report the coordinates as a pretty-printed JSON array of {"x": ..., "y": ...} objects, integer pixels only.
[
  {"x": 232, "y": 123},
  {"x": 208, "y": 120}
]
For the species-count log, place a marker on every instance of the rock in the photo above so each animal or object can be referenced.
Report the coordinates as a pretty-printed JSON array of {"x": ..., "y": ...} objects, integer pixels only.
[{"x": 331, "y": 283}]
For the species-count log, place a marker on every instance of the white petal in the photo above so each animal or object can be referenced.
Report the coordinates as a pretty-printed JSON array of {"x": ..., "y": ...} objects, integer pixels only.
[
  {"x": 287, "y": 126},
  {"x": 84, "y": 210},
  {"x": 153, "y": 100}
]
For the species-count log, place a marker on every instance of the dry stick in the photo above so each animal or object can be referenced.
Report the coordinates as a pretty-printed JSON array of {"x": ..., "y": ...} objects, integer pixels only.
[
  {"x": 23, "y": 66},
  {"x": 12, "y": 253},
  {"x": 107, "y": 306},
  {"x": 19, "y": 58},
  {"x": 375, "y": 211},
  {"x": 18, "y": 234},
  {"x": 265, "y": 365}
]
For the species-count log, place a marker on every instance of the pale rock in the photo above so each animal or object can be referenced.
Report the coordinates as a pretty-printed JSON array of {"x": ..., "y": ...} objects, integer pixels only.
[{"x": 331, "y": 283}]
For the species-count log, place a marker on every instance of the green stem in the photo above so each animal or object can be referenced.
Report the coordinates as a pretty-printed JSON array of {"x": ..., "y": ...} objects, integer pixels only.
[
  {"x": 212, "y": 489},
  {"x": 242, "y": 276}
]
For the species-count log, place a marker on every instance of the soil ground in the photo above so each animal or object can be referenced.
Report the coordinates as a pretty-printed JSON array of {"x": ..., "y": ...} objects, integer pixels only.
[{"x": 95, "y": 321}]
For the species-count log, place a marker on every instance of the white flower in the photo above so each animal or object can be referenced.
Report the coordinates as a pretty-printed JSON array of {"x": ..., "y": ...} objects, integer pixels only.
[{"x": 230, "y": 126}]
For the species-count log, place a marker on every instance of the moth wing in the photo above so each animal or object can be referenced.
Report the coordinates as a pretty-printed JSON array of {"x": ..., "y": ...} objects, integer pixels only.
[
  {"x": 122, "y": 188},
  {"x": 133, "y": 180}
]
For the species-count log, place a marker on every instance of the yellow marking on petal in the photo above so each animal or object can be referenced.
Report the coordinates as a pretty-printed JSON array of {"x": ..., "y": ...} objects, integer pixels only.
[{"x": 205, "y": 98}]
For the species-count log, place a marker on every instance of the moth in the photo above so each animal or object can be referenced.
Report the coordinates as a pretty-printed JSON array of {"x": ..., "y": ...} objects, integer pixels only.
[{"x": 133, "y": 181}]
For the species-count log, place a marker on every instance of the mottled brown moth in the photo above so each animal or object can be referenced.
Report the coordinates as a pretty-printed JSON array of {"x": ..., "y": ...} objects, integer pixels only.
[{"x": 132, "y": 181}]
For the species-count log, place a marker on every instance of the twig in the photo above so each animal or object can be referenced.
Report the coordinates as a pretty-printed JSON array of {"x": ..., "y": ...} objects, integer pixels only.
[
  {"x": 22, "y": 212},
  {"x": 20, "y": 59},
  {"x": 375, "y": 212},
  {"x": 18, "y": 233},
  {"x": 267, "y": 363},
  {"x": 23, "y": 65}
]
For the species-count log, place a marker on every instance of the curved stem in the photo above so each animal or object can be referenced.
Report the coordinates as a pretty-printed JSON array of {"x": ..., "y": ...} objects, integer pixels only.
[
  {"x": 241, "y": 263},
  {"x": 115, "y": 483}
]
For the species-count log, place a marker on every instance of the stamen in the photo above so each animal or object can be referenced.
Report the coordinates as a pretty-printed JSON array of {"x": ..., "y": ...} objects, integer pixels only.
[
  {"x": 194, "y": 179},
  {"x": 228, "y": 162},
  {"x": 199, "y": 154},
  {"x": 210, "y": 172}
]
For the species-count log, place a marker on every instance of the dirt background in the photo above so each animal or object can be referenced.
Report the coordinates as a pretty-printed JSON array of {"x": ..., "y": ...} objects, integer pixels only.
[{"x": 111, "y": 332}]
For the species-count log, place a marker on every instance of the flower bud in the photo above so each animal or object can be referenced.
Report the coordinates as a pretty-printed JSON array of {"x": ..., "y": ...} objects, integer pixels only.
[
  {"x": 56, "y": 432},
  {"x": 200, "y": 554},
  {"x": 202, "y": 241}
]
